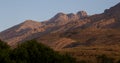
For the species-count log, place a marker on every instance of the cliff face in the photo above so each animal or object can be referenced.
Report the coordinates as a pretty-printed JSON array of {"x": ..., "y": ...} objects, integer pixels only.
[{"x": 67, "y": 29}]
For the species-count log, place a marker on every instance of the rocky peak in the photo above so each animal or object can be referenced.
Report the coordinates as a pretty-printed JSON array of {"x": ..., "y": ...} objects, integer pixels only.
[
  {"x": 82, "y": 14},
  {"x": 72, "y": 16},
  {"x": 59, "y": 19},
  {"x": 29, "y": 24},
  {"x": 21, "y": 32},
  {"x": 27, "y": 21},
  {"x": 62, "y": 18},
  {"x": 60, "y": 15}
]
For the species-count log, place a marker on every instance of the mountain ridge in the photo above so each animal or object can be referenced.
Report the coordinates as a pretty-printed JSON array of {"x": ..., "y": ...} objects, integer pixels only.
[{"x": 65, "y": 26}]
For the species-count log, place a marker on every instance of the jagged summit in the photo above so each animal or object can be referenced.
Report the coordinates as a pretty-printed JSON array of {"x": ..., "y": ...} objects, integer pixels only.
[
  {"x": 60, "y": 14},
  {"x": 71, "y": 15},
  {"x": 82, "y": 14},
  {"x": 59, "y": 19},
  {"x": 30, "y": 22},
  {"x": 64, "y": 18}
]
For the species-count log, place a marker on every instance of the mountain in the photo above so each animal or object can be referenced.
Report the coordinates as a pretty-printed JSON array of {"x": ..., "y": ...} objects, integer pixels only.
[
  {"x": 19, "y": 32},
  {"x": 69, "y": 30},
  {"x": 32, "y": 29}
]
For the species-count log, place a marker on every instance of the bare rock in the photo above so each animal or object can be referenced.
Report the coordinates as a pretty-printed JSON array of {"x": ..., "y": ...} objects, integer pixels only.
[{"x": 82, "y": 14}]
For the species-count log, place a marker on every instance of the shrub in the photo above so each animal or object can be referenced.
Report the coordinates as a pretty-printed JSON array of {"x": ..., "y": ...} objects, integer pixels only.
[
  {"x": 104, "y": 59},
  {"x": 4, "y": 52},
  {"x": 33, "y": 52}
]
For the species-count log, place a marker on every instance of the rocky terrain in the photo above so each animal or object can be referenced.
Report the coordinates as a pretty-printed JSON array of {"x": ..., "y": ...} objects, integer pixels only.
[
  {"x": 32, "y": 29},
  {"x": 65, "y": 26},
  {"x": 63, "y": 23}
]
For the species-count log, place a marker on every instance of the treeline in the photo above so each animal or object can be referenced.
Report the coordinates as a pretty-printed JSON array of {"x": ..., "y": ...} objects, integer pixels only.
[{"x": 31, "y": 52}]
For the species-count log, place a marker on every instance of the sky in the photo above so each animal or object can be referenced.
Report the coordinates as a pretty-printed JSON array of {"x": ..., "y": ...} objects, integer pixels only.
[{"x": 13, "y": 12}]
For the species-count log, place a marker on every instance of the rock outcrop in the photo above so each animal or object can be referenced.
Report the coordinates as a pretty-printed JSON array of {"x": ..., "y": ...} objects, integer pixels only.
[{"x": 82, "y": 14}]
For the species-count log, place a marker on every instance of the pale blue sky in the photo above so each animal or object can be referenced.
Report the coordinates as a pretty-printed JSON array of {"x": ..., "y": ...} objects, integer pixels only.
[{"x": 13, "y": 12}]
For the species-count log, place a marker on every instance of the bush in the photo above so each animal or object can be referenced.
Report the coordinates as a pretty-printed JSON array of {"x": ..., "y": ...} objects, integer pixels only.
[
  {"x": 3, "y": 45},
  {"x": 104, "y": 59},
  {"x": 33, "y": 52},
  {"x": 4, "y": 52}
]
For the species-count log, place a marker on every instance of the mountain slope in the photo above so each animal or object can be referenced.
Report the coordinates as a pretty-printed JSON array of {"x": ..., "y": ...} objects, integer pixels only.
[
  {"x": 100, "y": 29},
  {"x": 31, "y": 29},
  {"x": 77, "y": 29},
  {"x": 20, "y": 32}
]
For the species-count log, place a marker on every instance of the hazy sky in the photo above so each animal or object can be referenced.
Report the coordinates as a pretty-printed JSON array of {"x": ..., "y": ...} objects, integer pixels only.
[{"x": 13, "y": 12}]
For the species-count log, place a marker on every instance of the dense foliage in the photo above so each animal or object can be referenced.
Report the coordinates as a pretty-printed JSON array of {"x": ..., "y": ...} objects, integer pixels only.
[
  {"x": 31, "y": 52},
  {"x": 4, "y": 52}
]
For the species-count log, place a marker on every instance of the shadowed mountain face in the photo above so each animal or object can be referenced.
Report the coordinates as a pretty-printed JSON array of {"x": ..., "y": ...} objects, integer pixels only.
[
  {"x": 69, "y": 30},
  {"x": 113, "y": 11}
]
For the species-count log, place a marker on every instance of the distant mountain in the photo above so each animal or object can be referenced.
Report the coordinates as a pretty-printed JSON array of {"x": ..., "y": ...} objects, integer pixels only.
[
  {"x": 19, "y": 32},
  {"x": 69, "y": 30},
  {"x": 98, "y": 29}
]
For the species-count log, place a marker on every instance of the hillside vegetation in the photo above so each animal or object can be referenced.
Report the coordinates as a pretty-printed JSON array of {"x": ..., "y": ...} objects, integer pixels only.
[
  {"x": 31, "y": 52},
  {"x": 34, "y": 52}
]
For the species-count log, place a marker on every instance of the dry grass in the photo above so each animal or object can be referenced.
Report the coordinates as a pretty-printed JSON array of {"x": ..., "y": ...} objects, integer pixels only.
[
  {"x": 91, "y": 43},
  {"x": 89, "y": 53}
]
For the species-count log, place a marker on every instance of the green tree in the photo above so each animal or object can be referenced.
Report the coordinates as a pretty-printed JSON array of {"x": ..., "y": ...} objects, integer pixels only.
[
  {"x": 4, "y": 52},
  {"x": 34, "y": 52}
]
